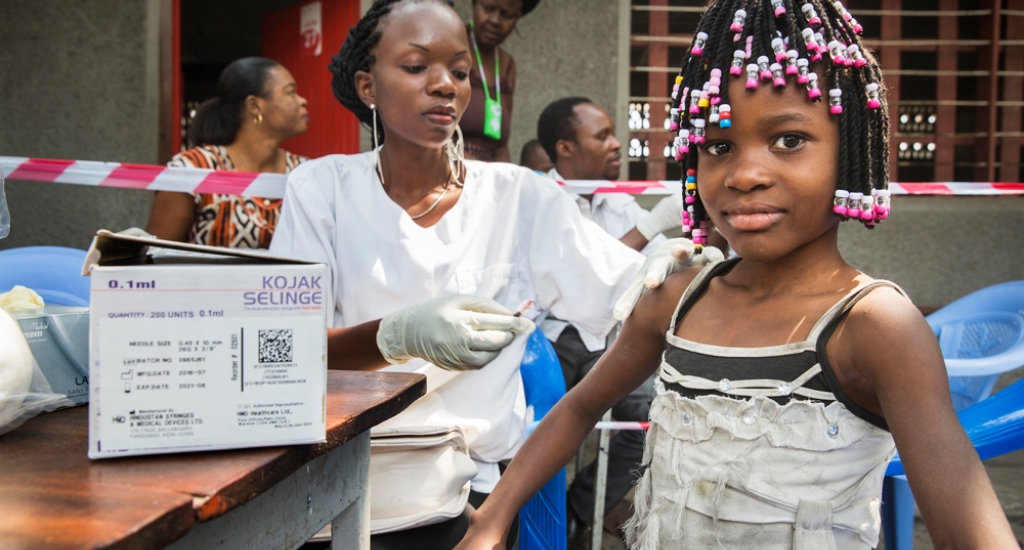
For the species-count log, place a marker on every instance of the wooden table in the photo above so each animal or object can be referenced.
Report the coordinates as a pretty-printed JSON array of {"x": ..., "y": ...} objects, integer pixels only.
[{"x": 53, "y": 497}]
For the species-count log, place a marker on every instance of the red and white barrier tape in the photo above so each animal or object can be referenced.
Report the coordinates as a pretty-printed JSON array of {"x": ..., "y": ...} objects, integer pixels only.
[{"x": 194, "y": 180}]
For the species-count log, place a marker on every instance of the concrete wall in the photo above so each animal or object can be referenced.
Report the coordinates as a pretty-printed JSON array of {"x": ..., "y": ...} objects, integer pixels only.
[
  {"x": 941, "y": 248},
  {"x": 78, "y": 80}
]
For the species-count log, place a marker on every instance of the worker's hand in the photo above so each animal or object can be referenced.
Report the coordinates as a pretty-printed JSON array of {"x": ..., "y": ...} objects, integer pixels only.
[
  {"x": 672, "y": 256},
  {"x": 456, "y": 333},
  {"x": 665, "y": 216}
]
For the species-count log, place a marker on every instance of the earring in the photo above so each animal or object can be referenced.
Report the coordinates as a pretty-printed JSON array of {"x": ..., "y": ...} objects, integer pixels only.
[
  {"x": 258, "y": 120},
  {"x": 376, "y": 147},
  {"x": 456, "y": 153}
]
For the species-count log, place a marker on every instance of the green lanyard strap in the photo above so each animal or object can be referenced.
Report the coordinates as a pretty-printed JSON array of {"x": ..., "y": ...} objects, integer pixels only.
[{"x": 483, "y": 75}]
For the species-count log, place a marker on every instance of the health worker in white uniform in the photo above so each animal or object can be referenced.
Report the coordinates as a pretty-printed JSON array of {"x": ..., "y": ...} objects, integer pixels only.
[{"x": 430, "y": 254}]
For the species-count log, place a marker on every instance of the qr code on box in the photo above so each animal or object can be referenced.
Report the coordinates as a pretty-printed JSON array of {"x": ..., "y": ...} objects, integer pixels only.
[{"x": 276, "y": 345}]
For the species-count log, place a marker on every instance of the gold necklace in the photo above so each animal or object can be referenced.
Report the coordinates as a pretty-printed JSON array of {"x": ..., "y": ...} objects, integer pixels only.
[{"x": 444, "y": 191}]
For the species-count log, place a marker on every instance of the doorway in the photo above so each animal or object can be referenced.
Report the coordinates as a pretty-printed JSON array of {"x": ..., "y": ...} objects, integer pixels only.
[{"x": 301, "y": 35}]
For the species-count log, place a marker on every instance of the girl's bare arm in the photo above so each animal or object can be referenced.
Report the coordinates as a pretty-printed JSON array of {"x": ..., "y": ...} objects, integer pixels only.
[
  {"x": 886, "y": 340},
  {"x": 627, "y": 364}
]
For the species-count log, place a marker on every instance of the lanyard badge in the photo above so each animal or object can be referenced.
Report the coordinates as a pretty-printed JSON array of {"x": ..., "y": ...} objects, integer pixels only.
[{"x": 492, "y": 107}]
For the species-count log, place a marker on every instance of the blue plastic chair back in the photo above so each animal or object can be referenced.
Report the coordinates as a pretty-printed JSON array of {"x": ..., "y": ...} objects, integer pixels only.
[
  {"x": 995, "y": 425},
  {"x": 542, "y": 522},
  {"x": 981, "y": 336},
  {"x": 55, "y": 272}
]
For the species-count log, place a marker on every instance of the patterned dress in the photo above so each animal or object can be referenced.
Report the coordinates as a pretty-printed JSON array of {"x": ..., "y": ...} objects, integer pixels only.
[{"x": 230, "y": 220}]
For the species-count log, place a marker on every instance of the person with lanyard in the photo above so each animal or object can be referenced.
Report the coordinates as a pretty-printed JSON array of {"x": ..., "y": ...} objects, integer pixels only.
[
  {"x": 428, "y": 255},
  {"x": 488, "y": 119}
]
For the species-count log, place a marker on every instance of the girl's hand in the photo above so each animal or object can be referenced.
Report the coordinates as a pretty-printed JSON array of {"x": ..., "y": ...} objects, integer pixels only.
[{"x": 476, "y": 539}]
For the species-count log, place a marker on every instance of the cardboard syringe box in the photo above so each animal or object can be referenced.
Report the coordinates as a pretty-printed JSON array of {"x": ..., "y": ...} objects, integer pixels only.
[{"x": 196, "y": 348}]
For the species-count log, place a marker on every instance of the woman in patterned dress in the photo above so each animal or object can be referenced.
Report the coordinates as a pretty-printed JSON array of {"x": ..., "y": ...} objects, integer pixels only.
[{"x": 256, "y": 108}]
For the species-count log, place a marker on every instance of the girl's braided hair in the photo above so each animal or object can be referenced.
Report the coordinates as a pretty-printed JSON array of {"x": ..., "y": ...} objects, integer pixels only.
[
  {"x": 356, "y": 54},
  {"x": 834, "y": 49}
]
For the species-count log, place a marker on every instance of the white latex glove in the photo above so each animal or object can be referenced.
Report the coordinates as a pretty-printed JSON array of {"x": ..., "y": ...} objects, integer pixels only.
[
  {"x": 455, "y": 333},
  {"x": 665, "y": 216},
  {"x": 672, "y": 256}
]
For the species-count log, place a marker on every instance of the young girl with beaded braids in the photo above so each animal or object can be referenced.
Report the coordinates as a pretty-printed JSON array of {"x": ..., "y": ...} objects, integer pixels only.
[{"x": 788, "y": 379}]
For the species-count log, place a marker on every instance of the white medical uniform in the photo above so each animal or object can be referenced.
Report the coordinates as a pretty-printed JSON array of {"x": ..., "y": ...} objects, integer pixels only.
[
  {"x": 617, "y": 214},
  {"x": 513, "y": 235}
]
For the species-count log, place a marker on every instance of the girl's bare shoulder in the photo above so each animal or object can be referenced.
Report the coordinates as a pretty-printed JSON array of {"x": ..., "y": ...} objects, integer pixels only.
[
  {"x": 884, "y": 329},
  {"x": 656, "y": 305}
]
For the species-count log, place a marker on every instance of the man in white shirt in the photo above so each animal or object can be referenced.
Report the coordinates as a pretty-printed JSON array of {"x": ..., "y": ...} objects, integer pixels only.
[{"x": 579, "y": 137}]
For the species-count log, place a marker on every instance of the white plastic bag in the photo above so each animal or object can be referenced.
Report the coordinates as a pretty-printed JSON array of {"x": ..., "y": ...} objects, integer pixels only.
[{"x": 24, "y": 391}]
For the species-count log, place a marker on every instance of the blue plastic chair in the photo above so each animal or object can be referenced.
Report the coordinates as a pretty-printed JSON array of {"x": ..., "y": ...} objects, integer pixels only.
[
  {"x": 995, "y": 426},
  {"x": 542, "y": 522},
  {"x": 55, "y": 272},
  {"x": 981, "y": 336}
]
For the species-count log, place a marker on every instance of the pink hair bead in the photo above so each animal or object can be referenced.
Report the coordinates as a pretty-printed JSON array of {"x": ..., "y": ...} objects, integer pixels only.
[
  {"x": 697, "y": 232},
  {"x": 811, "y": 15},
  {"x": 715, "y": 100},
  {"x": 695, "y": 102},
  {"x": 777, "y": 76},
  {"x": 839, "y": 204},
  {"x": 791, "y": 57},
  {"x": 853, "y": 52},
  {"x": 853, "y": 205},
  {"x": 813, "y": 91},
  {"x": 737, "y": 21},
  {"x": 866, "y": 208},
  {"x": 751, "y": 77},
  {"x": 779, "y": 47},
  {"x": 882, "y": 205},
  {"x": 698, "y": 43},
  {"x": 835, "y": 101},
  {"x": 736, "y": 68},
  {"x": 836, "y": 50},
  {"x": 780, "y": 8},
  {"x": 822, "y": 47},
  {"x": 762, "y": 65},
  {"x": 812, "y": 44},
  {"x": 803, "y": 70},
  {"x": 716, "y": 73},
  {"x": 874, "y": 101},
  {"x": 697, "y": 136},
  {"x": 841, "y": 9}
]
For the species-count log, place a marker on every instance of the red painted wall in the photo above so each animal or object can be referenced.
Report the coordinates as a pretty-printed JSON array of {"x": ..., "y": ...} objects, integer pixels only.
[{"x": 332, "y": 129}]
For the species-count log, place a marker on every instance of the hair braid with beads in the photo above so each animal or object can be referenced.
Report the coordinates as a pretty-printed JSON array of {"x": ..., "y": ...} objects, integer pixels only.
[
  {"x": 356, "y": 54},
  {"x": 855, "y": 77}
]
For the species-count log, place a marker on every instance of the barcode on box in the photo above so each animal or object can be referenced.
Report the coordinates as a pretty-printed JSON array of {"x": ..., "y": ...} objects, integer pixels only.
[{"x": 275, "y": 345}]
